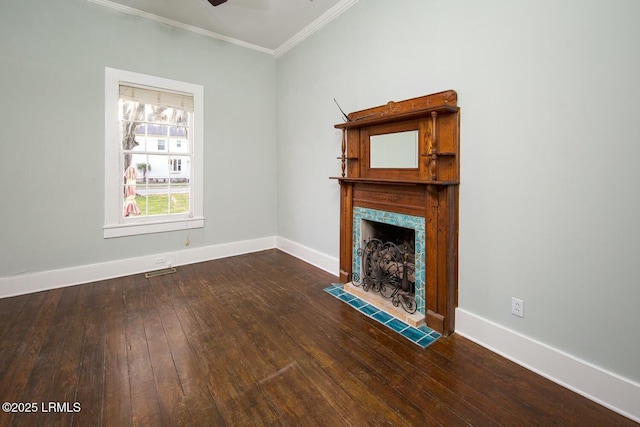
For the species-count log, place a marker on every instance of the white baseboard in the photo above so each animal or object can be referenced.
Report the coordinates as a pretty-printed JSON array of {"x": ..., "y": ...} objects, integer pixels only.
[
  {"x": 310, "y": 256},
  {"x": 52, "y": 279},
  {"x": 606, "y": 388},
  {"x": 45, "y": 280}
]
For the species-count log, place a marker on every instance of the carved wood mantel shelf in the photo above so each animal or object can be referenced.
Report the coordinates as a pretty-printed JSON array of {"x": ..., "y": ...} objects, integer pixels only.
[
  {"x": 427, "y": 189},
  {"x": 393, "y": 181}
]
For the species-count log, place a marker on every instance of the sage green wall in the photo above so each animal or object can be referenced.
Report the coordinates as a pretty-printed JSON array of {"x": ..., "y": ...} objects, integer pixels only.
[
  {"x": 549, "y": 204},
  {"x": 52, "y": 61}
]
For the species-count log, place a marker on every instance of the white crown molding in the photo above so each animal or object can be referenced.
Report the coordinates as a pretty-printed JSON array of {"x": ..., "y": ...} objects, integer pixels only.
[
  {"x": 197, "y": 30},
  {"x": 316, "y": 25},
  {"x": 606, "y": 388}
]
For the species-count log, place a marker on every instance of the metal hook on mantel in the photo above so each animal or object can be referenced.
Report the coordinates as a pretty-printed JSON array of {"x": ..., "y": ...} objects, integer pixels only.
[{"x": 346, "y": 118}]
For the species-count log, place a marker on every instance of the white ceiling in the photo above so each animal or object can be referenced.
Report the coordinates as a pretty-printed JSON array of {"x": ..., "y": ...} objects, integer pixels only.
[{"x": 267, "y": 25}]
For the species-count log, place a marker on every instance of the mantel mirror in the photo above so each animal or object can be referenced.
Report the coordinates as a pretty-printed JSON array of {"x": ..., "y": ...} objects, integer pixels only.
[
  {"x": 398, "y": 150},
  {"x": 392, "y": 150}
]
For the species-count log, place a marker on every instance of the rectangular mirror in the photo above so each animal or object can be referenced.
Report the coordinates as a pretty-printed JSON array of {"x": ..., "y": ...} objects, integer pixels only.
[{"x": 397, "y": 150}]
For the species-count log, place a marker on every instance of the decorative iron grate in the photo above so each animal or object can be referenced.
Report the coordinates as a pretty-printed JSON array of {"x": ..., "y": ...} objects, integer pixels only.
[{"x": 389, "y": 270}]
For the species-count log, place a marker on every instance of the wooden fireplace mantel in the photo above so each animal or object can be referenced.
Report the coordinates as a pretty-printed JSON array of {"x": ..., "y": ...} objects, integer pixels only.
[{"x": 430, "y": 190}]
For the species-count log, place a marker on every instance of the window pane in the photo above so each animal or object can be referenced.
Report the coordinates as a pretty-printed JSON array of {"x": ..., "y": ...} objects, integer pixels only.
[
  {"x": 179, "y": 144},
  {"x": 149, "y": 113},
  {"x": 158, "y": 168},
  {"x": 155, "y": 130},
  {"x": 157, "y": 184},
  {"x": 141, "y": 164},
  {"x": 131, "y": 137},
  {"x": 180, "y": 169},
  {"x": 134, "y": 203},
  {"x": 130, "y": 204},
  {"x": 158, "y": 204},
  {"x": 182, "y": 119},
  {"x": 131, "y": 110},
  {"x": 137, "y": 143},
  {"x": 179, "y": 199},
  {"x": 177, "y": 117},
  {"x": 157, "y": 197},
  {"x": 179, "y": 131}
]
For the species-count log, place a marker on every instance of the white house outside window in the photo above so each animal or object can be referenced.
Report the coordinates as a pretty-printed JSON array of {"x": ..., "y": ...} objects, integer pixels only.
[{"x": 153, "y": 154}]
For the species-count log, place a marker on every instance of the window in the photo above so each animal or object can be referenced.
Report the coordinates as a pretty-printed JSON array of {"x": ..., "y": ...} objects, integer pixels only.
[
  {"x": 152, "y": 182},
  {"x": 176, "y": 165}
]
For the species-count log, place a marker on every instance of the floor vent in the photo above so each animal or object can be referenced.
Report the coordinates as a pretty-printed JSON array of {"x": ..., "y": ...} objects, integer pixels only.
[{"x": 162, "y": 272}]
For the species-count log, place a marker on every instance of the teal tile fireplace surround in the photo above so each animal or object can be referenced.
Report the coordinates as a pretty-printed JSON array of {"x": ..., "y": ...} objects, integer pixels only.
[{"x": 400, "y": 220}]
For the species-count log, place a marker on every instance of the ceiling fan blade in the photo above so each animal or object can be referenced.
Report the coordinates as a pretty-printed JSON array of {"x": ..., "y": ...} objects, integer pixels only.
[{"x": 217, "y": 2}]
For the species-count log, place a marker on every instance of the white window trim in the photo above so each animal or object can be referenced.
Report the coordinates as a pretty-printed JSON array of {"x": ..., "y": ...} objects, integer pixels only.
[{"x": 114, "y": 223}]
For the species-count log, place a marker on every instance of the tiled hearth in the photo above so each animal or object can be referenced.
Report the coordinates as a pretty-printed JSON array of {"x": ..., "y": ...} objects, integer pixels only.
[
  {"x": 376, "y": 300},
  {"x": 420, "y": 335}
]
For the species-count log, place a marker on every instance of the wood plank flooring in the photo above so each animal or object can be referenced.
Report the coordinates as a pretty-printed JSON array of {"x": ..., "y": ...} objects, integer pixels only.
[{"x": 252, "y": 340}]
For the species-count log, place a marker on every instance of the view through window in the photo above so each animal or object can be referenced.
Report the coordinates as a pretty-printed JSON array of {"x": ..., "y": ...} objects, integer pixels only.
[{"x": 156, "y": 151}]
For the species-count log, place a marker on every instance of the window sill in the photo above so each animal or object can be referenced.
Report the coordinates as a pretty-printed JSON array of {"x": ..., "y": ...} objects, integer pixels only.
[{"x": 122, "y": 230}]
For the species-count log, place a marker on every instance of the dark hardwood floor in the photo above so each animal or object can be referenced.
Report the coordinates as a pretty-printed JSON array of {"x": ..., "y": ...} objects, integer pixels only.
[{"x": 252, "y": 340}]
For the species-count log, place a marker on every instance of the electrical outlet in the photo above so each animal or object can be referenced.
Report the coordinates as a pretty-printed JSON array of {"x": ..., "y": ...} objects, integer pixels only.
[
  {"x": 517, "y": 307},
  {"x": 160, "y": 260}
]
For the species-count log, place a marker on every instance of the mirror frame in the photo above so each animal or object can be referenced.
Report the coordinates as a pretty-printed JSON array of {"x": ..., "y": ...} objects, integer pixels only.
[{"x": 366, "y": 171}]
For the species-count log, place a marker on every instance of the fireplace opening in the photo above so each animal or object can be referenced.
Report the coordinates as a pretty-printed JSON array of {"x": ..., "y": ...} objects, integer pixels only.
[
  {"x": 388, "y": 263},
  {"x": 400, "y": 236}
]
